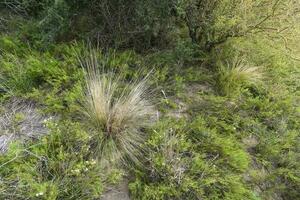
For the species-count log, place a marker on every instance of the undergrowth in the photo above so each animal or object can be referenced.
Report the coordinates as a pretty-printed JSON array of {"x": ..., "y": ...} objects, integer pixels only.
[
  {"x": 225, "y": 127},
  {"x": 57, "y": 167}
]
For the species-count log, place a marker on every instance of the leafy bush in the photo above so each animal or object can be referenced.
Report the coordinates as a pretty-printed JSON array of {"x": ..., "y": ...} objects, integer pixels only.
[
  {"x": 119, "y": 23},
  {"x": 213, "y": 22},
  {"x": 57, "y": 167},
  {"x": 23, "y": 75},
  {"x": 191, "y": 161},
  {"x": 52, "y": 78},
  {"x": 264, "y": 123}
]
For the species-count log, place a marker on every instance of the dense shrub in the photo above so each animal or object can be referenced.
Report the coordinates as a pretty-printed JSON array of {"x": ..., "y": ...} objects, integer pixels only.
[
  {"x": 192, "y": 161},
  {"x": 266, "y": 126},
  {"x": 152, "y": 23},
  {"x": 57, "y": 167},
  {"x": 139, "y": 24},
  {"x": 213, "y": 22}
]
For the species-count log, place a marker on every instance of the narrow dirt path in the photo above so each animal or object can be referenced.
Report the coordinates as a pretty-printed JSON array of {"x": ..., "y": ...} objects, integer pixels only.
[{"x": 119, "y": 192}]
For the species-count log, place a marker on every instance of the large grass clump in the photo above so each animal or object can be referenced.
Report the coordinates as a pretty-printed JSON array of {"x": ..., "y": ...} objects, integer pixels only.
[{"x": 117, "y": 113}]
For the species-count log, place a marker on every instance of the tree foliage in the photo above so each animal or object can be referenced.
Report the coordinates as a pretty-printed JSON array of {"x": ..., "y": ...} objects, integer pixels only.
[
  {"x": 148, "y": 23},
  {"x": 213, "y": 22}
]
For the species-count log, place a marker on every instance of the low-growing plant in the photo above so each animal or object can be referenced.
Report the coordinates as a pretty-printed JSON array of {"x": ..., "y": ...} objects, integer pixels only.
[
  {"x": 116, "y": 112},
  {"x": 191, "y": 161},
  {"x": 233, "y": 75},
  {"x": 59, "y": 166},
  {"x": 266, "y": 125}
]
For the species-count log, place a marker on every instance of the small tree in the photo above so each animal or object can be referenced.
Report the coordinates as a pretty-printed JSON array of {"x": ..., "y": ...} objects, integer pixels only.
[{"x": 212, "y": 22}]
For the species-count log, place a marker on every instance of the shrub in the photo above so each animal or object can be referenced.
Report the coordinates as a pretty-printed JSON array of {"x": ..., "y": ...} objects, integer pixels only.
[
  {"x": 51, "y": 78},
  {"x": 213, "y": 22},
  {"x": 117, "y": 113},
  {"x": 191, "y": 161},
  {"x": 233, "y": 75},
  {"x": 56, "y": 167},
  {"x": 118, "y": 23},
  {"x": 23, "y": 74},
  {"x": 25, "y": 7},
  {"x": 266, "y": 124}
]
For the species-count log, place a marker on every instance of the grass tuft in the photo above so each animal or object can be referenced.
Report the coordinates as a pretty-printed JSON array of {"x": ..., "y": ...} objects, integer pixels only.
[
  {"x": 117, "y": 113},
  {"x": 233, "y": 75}
]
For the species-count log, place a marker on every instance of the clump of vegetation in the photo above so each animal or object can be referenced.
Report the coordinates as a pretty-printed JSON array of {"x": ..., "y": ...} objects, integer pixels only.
[
  {"x": 116, "y": 113},
  {"x": 56, "y": 167},
  {"x": 188, "y": 161},
  {"x": 233, "y": 75}
]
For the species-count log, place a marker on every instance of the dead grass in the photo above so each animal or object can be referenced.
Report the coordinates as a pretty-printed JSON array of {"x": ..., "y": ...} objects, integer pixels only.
[{"x": 117, "y": 113}]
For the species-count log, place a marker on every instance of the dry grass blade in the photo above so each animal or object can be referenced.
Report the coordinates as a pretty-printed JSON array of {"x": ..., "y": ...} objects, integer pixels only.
[{"x": 116, "y": 112}]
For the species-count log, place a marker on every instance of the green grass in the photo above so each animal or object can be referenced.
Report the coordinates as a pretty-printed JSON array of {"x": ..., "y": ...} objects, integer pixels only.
[
  {"x": 225, "y": 128},
  {"x": 236, "y": 74}
]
